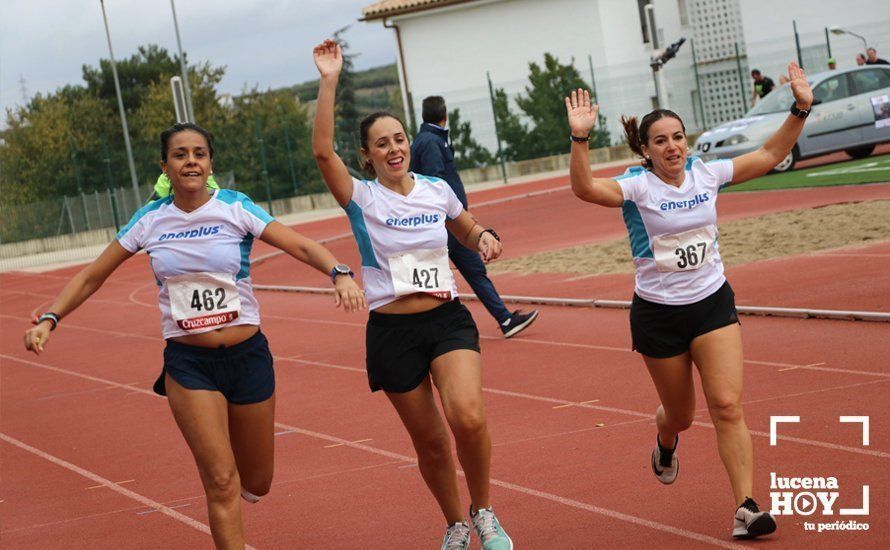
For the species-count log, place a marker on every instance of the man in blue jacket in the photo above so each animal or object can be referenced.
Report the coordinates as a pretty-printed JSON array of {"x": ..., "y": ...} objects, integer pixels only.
[{"x": 431, "y": 155}]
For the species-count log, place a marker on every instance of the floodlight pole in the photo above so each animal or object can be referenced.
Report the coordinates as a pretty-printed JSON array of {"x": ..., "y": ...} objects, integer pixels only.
[
  {"x": 182, "y": 69},
  {"x": 120, "y": 107}
]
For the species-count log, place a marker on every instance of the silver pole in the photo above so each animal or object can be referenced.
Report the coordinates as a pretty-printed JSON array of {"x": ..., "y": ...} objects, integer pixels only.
[
  {"x": 182, "y": 68},
  {"x": 120, "y": 107}
]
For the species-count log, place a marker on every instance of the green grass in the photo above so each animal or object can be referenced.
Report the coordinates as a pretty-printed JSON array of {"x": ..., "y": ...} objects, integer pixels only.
[{"x": 854, "y": 172}]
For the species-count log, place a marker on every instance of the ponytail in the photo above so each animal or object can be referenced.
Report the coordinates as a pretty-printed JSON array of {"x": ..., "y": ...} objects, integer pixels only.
[
  {"x": 632, "y": 138},
  {"x": 637, "y": 134}
]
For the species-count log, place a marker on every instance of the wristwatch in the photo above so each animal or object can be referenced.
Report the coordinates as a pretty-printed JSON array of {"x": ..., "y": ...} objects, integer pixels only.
[
  {"x": 340, "y": 269},
  {"x": 799, "y": 113},
  {"x": 493, "y": 234}
]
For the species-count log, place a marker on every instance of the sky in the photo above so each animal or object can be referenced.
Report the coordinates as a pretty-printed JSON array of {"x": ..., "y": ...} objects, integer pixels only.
[{"x": 260, "y": 42}]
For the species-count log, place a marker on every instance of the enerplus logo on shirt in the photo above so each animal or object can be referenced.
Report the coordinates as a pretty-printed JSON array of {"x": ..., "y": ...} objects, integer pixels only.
[
  {"x": 691, "y": 203},
  {"x": 202, "y": 231},
  {"x": 413, "y": 221}
]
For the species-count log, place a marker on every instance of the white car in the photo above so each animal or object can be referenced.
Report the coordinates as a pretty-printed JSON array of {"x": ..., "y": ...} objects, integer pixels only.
[{"x": 851, "y": 113}]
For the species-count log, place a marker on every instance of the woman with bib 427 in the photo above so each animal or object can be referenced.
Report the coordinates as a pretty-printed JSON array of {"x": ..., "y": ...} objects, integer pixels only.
[
  {"x": 217, "y": 373},
  {"x": 417, "y": 328},
  {"x": 683, "y": 310}
]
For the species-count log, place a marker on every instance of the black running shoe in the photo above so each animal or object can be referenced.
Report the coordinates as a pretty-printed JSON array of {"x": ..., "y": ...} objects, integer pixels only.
[
  {"x": 749, "y": 521},
  {"x": 518, "y": 322}
]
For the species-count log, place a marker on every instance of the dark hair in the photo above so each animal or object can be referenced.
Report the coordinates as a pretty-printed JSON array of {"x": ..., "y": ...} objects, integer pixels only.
[
  {"x": 434, "y": 110},
  {"x": 182, "y": 127},
  {"x": 637, "y": 135},
  {"x": 363, "y": 129},
  {"x": 755, "y": 72}
]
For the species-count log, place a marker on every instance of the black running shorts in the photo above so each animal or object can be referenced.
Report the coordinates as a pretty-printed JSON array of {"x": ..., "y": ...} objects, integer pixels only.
[
  {"x": 400, "y": 347},
  {"x": 663, "y": 331}
]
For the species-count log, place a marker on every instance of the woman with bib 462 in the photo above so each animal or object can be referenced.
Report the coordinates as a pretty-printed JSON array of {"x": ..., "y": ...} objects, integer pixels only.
[{"x": 217, "y": 373}]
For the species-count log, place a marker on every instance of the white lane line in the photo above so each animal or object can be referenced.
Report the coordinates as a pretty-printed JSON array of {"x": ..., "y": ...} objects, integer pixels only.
[
  {"x": 146, "y": 512},
  {"x": 145, "y": 501},
  {"x": 395, "y": 456},
  {"x": 115, "y": 482}
]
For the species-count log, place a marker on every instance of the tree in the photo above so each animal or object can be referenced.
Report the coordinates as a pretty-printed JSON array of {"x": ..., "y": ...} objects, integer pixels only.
[
  {"x": 136, "y": 74},
  {"x": 468, "y": 153},
  {"x": 543, "y": 107},
  {"x": 513, "y": 134}
]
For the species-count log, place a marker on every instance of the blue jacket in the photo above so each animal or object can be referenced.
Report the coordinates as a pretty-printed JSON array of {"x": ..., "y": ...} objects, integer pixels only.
[{"x": 431, "y": 155}]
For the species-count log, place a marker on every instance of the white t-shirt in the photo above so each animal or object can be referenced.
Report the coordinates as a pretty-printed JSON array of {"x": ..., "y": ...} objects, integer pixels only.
[
  {"x": 200, "y": 259},
  {"x": 402, "y": 239},
  {"x": 673, "y": 232}
]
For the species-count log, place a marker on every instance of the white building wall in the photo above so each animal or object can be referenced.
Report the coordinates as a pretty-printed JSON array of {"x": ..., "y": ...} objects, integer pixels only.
[{"x": 449, "y": 50}]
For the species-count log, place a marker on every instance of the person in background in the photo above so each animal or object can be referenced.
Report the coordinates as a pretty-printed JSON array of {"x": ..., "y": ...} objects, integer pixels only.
[
  {"x": 873, "y": 58},
  {"x": 762, "y": 85},
  {"x": 432, "y": 155},
  {"x": 860, "y": 59}
]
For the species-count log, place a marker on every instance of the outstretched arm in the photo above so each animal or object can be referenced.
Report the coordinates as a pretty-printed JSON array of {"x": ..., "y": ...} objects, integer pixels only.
[
  {"x": 329, "y": 61},
  {"x": 78, "y": 289},
  {"x": 473, "y": 236},
  {"x": 582, "y": 117},
  {"x": 311, "y": 253},
  {"x": 777, "y": 147}
]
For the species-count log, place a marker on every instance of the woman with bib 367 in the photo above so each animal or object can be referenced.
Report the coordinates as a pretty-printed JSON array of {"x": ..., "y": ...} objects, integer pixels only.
[
  {"x": 217, "y": 373},
  {"x": 417, "y": 327},
  {"x": 683, "y": 310}
]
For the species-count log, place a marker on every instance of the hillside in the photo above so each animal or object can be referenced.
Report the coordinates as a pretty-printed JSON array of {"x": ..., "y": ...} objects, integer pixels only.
[{"x": 377, "y": 89}]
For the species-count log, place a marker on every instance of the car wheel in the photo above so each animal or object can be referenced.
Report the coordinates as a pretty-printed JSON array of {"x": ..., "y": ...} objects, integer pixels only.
[
  {"x": 788, "y": 162},
  {"x": 860, "y": 152}
]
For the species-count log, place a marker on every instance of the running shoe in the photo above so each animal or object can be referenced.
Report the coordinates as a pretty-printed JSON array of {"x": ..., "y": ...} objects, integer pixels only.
[
  {"x": 665, "y": 464},
  {"x": 457, "y": 537},
  {"x": 749, "y": 522},
  {"x": 518, "y": 322},
  {"x": 489, "y": 529}
]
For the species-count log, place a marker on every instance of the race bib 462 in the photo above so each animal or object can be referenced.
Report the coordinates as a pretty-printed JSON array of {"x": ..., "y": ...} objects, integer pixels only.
[{"x": 203, "y": 300}]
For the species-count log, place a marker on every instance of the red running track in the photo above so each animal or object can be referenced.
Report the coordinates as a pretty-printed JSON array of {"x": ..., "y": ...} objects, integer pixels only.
[{"x": 93, "y": 459}]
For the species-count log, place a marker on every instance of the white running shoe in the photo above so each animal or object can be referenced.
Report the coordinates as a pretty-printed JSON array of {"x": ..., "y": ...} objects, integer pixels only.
[
  {"x": 489, "y": 529},
  {"x": 457, "y": 537},
  {"x": 665, "y": 465}
]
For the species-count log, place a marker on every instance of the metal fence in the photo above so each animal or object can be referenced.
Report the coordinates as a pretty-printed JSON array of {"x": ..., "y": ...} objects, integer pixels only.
[{"x": 110, "y": 208}]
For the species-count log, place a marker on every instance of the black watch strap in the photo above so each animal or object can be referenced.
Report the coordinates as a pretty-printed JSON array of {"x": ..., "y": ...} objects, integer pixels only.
[
  {"x": 577, "y": 139},
  {"x": 799, "y": 113},
  {"x": 493, "y": 234}
]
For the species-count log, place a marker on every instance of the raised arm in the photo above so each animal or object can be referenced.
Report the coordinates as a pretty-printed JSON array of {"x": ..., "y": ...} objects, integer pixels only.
[
  {"x": 329, "y": 61},
  {"x": 582, "y": 117},
  {"x": 78, "y": 289},
  {"x": 777, "y": 147},
  {"x": 311, "y": 253}
]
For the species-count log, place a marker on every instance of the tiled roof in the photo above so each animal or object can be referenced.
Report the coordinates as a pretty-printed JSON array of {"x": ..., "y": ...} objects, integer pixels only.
[{"x": 386, "y": 8}]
